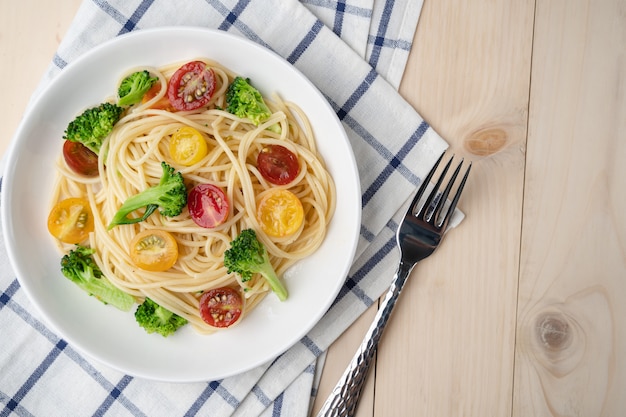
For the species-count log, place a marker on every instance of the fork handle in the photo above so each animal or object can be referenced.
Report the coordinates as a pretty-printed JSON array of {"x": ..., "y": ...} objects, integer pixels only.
[{"x": 344, "y": 398}]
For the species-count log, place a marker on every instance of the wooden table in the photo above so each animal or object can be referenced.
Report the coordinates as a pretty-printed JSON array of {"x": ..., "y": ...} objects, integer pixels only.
[{"x": 522, "y": 311}]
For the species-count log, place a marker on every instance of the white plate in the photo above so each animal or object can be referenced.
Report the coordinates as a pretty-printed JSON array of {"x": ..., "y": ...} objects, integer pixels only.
[{"x": 111, "y": 336}]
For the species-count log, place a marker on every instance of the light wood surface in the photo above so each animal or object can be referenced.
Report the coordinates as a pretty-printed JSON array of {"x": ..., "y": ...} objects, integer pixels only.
[{"x": 522, "y": 311}]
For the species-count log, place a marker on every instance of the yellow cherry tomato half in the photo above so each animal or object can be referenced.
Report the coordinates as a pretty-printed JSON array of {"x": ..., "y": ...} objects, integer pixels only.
[
  {"x": 280, "y": 213},
  {"x": 71, "y": 220},
  {"x": 188, "y": 146},
  {"x": 154, "y": 250}
]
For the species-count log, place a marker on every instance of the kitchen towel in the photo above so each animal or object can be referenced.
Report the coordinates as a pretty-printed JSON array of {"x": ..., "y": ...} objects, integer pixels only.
[{"x": 355, "y": 52}]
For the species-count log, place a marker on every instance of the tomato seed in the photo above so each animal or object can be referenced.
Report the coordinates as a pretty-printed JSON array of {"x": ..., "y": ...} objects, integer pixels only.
[
  {"x": 150, "y": 241},
  {"x": 82, "y": 220}
]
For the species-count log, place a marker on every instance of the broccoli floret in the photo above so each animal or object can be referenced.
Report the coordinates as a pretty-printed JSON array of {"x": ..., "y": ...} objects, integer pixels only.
[
  {"x": 80, "y": 268},
  {"x": 133, "y": 87},
  {"x": 170, "y": 194},
  {"x": 93, "y": 125},
  {"x": 154, "y": 318},
  {"x": 245, "y": 101},
  {"x": 247, "y": 256}
]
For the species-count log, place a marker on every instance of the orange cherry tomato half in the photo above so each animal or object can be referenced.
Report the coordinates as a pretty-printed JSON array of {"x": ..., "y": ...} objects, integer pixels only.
[
  {"x": 191, "y": 86},
  {"x": 280, "y": 213},
  {"x": 162, "y": 104},
  {"x": 154, "y": 250},
  {"x": 71, "y": 220},
  {"x": 278, "y": 164},
  {"x": 80, "y": 158},
  {"x": 221, "y": 307},
  {"x": 188, "y": 146},
  {"x": 208, "y": 205}
]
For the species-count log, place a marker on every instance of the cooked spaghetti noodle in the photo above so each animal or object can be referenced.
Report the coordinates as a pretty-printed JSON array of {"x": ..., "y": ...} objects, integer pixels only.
[{"x": 130, "y": 162}]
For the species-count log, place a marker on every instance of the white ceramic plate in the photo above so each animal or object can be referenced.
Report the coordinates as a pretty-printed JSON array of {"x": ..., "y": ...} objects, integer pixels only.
[{"x": 111, "y": 336}]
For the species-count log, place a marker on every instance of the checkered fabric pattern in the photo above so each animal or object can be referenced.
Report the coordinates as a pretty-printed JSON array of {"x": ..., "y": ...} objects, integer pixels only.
[{"x": 355, "y": 52}]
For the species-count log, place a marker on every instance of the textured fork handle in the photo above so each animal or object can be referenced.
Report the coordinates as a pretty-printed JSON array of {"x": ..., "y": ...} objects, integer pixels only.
[{"x": 344, "y": 398}]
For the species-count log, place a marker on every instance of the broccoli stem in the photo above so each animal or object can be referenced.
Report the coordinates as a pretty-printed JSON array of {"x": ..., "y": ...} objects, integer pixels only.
[
  {"x": 267, "y": 271},
  {"x": 135, "y": 203},
  {"x": 103, "y": 290},
  {"x": 79, "y": 267}
]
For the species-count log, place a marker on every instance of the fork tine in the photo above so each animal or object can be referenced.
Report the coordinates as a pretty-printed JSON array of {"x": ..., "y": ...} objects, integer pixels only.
[
  {"x": 434, "y": 192},
  {"x": 444, "y": 195},
  {"x": 425, "y": 182},
  {"x": 455, "y": 200}
]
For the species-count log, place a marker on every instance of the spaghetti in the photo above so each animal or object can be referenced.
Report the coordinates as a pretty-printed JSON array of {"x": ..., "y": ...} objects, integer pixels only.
[{"x": 130, "y": 162}]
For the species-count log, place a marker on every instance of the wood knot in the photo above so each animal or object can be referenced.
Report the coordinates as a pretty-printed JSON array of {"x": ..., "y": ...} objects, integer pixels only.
[
  {"x": 553, "y": 331},
  {"x": 486, "y": 142}
]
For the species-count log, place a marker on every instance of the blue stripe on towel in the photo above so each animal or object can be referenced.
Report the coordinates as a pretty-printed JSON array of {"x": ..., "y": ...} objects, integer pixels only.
[
  {"x": 134, "y": 19},
  {"x": 305, "y": 42},
  {"x": 379, "y": 40}
]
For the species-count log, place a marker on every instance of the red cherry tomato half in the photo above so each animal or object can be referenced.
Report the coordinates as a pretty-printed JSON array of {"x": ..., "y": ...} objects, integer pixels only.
[
  {"x": 80, "y": 159},
  {"x": 221, "y": 307},
  {"x": 208, "y": 205},
  {"x": 191, "y": 86},
  {"x": 278, "y": 164}
]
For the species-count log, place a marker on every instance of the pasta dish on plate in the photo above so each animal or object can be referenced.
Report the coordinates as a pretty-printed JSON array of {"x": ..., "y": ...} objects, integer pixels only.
[{"x": 179, "y": 188}]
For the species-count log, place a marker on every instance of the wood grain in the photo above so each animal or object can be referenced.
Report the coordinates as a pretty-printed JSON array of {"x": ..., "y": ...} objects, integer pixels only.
[
  {"x": 29, "y": 35},
  {"x": 571, "y": 322}
]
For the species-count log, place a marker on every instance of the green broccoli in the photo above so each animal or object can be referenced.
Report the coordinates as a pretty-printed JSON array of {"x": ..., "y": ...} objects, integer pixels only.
[
  {"x": 80, "y": 268},
  {"x": 170, "y": 194},
  {"x": 133, "y": 87},
  {"x": 93, "y": 125},
  {"x": 154, "y": 318},
  {"x": 245, "y": 101},
  {"x": 247, "y": 256}
]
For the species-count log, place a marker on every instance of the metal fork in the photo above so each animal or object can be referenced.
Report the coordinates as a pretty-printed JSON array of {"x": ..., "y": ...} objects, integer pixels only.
[{"x": 418, "y": 235}]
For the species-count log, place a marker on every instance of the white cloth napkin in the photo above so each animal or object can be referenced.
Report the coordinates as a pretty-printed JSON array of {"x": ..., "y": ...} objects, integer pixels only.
[{"x": 355, "y": 52}]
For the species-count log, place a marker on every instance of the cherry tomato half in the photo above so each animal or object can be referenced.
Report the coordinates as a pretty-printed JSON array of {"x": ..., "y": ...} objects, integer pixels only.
[
  {"x": 154, "y": 250},
  {"x": 278, "y": 164},
  {"x": 191, "y": 86},
  {"x": 80, "y": 158},
  {"x": 188, "y": 146},
  {"x": 71, "y": 220},
  {"x": 221, "y": 307},
  {"x": 208, "y": 205},
  {"x": 162, "y": 104},
  {"x": 280, "y": 213}
]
